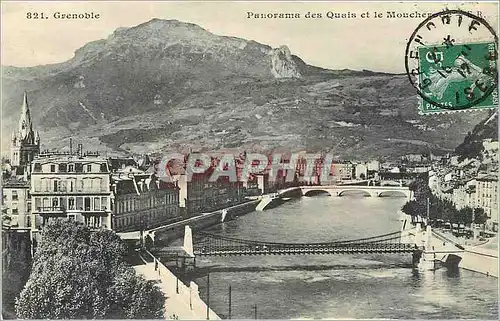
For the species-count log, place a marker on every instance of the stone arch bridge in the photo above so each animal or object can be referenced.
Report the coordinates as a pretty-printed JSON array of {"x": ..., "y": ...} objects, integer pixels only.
[{"x": 373, "y": 191}]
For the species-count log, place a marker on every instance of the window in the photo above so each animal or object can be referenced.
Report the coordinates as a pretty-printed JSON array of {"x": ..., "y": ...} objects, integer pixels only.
[
  {"x": 79, "y": 168},
  {"x": 38, "y": 167},
  {"x": 89, "y": 168},
  {"x": 55, "y": 203},
  {"x": 46, "y": 203},
  {"x": 71, "y": 217},
  {"x": 15, "y": 211},
  {"x": 71, "y": 168},
  {"x": 87, "y": 203},
  {"x": 104, "y": 168},
  {"x": 79, "y": 203},
  {"x": 14, "y": 195},
  {"x": 52, "y": 168},
  {"x": 28, "y": 194},
  {"x": 56, "y": 185},
  {"x": 62, "y": 168},
  {"x": 97, "y": 203},
  {"x": 71, "y": 203}
]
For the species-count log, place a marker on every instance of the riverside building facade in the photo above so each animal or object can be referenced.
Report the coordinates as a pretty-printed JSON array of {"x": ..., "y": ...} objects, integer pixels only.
[
  {"x": 141, "y": 201},
  {"x": 73, "y": 186}
]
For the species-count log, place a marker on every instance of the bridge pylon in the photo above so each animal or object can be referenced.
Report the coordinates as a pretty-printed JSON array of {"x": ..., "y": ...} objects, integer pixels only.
[
  {"x": 188, "y": 241},
  {"x": 223, "y": 215},
  {"x": 428, "y": 259}
]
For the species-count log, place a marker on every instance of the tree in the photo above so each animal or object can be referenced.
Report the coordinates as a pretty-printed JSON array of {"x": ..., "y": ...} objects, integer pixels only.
[
  {"x": 464, "y": 215},
  {"x": 79, "y": 274},
  {"x": 480, "y": 216}
]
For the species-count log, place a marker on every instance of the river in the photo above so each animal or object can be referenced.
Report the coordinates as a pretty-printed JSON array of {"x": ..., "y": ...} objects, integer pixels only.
[{"x": 336, "y": 286}]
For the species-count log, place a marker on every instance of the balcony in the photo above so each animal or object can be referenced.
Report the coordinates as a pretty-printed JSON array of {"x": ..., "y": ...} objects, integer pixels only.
[
  {"x": 65, "y": 191},
  {"x": 50, "y": 210}
]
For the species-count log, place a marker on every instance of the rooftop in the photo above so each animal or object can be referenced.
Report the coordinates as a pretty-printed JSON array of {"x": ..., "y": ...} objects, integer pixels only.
[
  {"x": 14, "y": 182},
  {"x": 56, "y": 155}
]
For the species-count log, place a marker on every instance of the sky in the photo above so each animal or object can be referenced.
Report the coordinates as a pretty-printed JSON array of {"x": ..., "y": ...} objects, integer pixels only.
[{"x": 354, "y": 43}]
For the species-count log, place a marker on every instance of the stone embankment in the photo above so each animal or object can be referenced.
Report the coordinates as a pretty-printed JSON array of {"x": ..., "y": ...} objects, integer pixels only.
[
  {"x": 481, "y": 258},
  {"x": 473, "y": 258},
  {"x": 170, "y": 232}
]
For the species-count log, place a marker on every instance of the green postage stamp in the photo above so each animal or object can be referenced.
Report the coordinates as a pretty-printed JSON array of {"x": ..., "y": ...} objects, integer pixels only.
[
  {"x": 458, "y": 77},
  {"x": 451, "y": 60}
]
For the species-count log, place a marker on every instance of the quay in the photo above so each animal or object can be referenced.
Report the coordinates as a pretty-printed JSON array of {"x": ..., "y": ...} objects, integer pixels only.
[
  {"x": 441, "y": 250},
  {"x": 181, "y": 302},
  {"x": 472, "y": 258}
]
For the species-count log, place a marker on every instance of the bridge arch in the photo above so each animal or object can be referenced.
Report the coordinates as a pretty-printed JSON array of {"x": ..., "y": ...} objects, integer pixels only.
[
  {"x": 393, "y": 194},
  {"x": 318, "y": 192},
  {"x": 355, "y": 192}
]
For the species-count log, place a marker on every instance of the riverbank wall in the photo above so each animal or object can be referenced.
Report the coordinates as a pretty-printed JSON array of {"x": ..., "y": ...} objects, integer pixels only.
[
  {"x": 473, "y": 258},
  {"x": 171, "y": 232}
]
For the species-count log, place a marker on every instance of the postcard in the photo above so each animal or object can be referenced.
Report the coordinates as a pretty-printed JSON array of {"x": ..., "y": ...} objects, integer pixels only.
[{"x": 205, "y": 160}]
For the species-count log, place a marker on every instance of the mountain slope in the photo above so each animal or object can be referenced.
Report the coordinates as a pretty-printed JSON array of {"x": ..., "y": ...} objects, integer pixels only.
[{"x": 166, "y": 85}]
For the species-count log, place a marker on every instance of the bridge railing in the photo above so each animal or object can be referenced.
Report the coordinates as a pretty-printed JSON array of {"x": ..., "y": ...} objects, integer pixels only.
[{"x": 211, "y": 243}]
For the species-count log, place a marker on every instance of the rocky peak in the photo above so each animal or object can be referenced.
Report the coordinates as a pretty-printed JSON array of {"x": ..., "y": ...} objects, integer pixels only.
[{"x": 283, "y": 65}]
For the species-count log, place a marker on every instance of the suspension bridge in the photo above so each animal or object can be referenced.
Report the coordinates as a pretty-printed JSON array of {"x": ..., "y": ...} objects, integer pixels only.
[{"x": 207, "y": 244}]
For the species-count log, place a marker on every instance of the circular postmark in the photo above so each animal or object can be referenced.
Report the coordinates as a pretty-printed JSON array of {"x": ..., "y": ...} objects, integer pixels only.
[{"x": 451, "y": 59}]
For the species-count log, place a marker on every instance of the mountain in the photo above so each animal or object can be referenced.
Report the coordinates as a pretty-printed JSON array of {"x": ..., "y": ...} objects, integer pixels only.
[
  {"x": 472, "y": 146},
  {"x": 169, "y": 85}
]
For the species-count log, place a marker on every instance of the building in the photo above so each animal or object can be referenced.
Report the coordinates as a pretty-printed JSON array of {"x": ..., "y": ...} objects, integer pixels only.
[
  {"x": 340, "y": 171},
  {"x": 413, "y": 158},
  {"x": 16, "y": 196},
  {"x": 204, "y": 195},
  {"x": 73, "y": 186},
  {"x": 490, "y": 145},
  {"x": 418, "y": 168},
  {"x": 119, "y": 163},
  {"x": 373, "y": 166},
  {"x": 141, "y": 201},
  {"x": 487, "y": 198},
  {"x": 464, "y": 194},
  {"x": 361, "y": 171},
  {"x": 16, "y": 202},
  {"x": 25, "y": 141},
  {"x": 200, "y": 194}
]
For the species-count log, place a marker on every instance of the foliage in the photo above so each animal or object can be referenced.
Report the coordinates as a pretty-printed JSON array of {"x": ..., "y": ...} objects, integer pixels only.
[
  {"x": 470, "y": 149},
  {"x": 78, "y": 274},
  {"x": 438, "y": 208},
  {"x": 480, "y": 216},
  {"x": 421, "y": 192},
  {"x": 15, "y": 274}
]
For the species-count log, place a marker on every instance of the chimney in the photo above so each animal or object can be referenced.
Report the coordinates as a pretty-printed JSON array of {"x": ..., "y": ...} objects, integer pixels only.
[
  {"x": 80, "y": 150},
  {"x": 71, "y": 146}
]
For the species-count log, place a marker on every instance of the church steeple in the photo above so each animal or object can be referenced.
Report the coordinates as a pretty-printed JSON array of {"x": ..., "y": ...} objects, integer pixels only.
[
  {"x": 25, "y": 142},
  {"x": 25, "y": 125}
]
